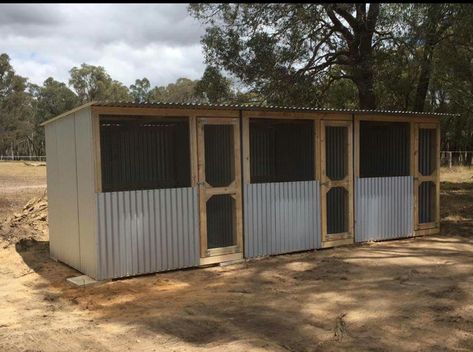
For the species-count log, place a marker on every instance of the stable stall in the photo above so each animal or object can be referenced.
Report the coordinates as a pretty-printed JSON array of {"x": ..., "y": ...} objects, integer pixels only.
[{"x": 142, "y": 188}]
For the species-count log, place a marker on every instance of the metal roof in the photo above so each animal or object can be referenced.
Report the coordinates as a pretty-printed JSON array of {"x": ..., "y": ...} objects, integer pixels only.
[{"x": 249, "y": 107}]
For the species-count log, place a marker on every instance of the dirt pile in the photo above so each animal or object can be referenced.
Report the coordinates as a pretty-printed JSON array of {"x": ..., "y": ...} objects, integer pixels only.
[{"x": 29, "y": 224}]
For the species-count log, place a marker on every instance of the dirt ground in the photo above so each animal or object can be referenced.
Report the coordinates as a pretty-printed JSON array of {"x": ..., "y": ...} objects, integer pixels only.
[
  {"x": 408, "y": 295},
  {"x": 18, "y": 184}
]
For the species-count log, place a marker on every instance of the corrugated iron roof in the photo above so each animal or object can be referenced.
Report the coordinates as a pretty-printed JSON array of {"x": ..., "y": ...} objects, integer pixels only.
[
  {"x": 264, "y": 107},
  {"x": 249, "y": 107}
]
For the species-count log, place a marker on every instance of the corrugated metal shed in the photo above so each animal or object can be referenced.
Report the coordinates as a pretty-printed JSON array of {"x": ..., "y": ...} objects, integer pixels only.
[{"x": 155, "y": 223}]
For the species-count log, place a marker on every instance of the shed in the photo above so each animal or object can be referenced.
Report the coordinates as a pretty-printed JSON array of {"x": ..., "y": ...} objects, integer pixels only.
[{"x": 143, "y": 188}]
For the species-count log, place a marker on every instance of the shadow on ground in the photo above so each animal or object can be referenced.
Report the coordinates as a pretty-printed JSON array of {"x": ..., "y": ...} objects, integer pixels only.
[{"x": 404, "y": 295}]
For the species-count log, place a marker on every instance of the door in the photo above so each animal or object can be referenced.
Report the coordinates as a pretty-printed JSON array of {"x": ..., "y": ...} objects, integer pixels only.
[
  {"x": 219, "y": 182},
  {"x": 337, "y": 183},
  {"x": 426, "y": 178}
]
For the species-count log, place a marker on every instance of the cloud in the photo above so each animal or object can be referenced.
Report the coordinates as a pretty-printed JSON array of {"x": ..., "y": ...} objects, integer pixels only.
[{"x": 161, "y": 42}]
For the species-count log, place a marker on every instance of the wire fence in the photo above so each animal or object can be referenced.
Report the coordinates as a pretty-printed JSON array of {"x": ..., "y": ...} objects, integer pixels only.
[
  {"x": 23, "y": 157},
  {"x": 456, "y": 158}
]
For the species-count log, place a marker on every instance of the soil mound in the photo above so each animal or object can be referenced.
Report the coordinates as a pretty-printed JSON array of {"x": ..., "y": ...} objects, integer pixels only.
[{"x": 29, "y": 224}]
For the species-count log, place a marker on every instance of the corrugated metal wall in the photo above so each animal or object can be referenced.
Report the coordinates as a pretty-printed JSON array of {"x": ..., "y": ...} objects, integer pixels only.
[
  {"x": 384, "y": 208},
  {"x": 71, "y": 187},
  {"x": 281, "y": 217},
  {"x": 142, "y": 232}
]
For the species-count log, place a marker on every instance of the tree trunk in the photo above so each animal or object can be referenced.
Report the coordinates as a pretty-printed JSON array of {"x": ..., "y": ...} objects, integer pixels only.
[
  {"x": 366, "y": 94},
  {"x": 424, "y": 79}
]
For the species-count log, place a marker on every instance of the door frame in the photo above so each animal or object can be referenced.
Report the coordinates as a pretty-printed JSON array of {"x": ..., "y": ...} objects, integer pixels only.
[
  {"x": 218, "y": 255},
  {"x": 331, "y": 240},
  {"x": 419, "y": 178}
]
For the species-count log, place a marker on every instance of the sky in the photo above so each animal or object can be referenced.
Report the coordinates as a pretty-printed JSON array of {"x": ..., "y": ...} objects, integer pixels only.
[{"x": 160, "y": 41}]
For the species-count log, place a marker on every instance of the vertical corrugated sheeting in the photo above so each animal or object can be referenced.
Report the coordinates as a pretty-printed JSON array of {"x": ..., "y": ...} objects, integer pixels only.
[
  {"x": 281, "y": 217},
  {"x": 143, "y": 232},
  {"x": 384, "y": 208}
]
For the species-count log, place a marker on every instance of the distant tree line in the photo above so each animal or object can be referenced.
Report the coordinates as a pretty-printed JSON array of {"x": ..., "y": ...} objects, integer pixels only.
[
  {"x": 24, "y": 105},
  {"x": 416, "y": 57}
]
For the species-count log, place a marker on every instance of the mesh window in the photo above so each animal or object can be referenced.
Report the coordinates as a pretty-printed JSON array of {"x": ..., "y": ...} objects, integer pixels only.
[
  {"x": 281, "y": 150},
  {"x": 144, "y": 153}
]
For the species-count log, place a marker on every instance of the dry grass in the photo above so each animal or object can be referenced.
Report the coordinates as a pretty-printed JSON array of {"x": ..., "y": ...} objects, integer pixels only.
[
  {"x": 456, "y": 174},
  {"x": 18, "y": 184}
]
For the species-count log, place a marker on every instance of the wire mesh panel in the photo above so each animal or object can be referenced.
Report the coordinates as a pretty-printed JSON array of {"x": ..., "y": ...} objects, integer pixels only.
[
  {"x": 337, "y": 210},
  {"x": 221, "y": 221},
  {"x": 426, "y": 202},
  {"x": 144, "y": 153},
  {"x": 427, "y": 155},
  {"x": 281, "y": 150},
  {"x": 336, "y": 140},
  {"x": 219, "y": 159}
]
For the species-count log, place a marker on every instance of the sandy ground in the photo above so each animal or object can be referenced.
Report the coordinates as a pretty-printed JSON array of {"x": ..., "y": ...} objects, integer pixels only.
[
  {"x": 18, "y": 184},
  {"x": 409, "y": 295}
]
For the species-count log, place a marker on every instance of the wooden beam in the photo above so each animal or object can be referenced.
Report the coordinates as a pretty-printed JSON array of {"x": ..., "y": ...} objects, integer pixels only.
[
  {"x": 163, "y": 112},
  {"x": 193, "y": 150},
  {"x": 97, "y": 151},
  {"x": 397, "y": 118},
  {"x": 356, "y": 138},
  {"x": 246, "y": 150}
]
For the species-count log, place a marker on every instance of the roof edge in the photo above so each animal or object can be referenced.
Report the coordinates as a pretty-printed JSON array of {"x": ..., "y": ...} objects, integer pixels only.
[
  {"x": 64, "y": 114},
  {"x": 245, "y": 107}
]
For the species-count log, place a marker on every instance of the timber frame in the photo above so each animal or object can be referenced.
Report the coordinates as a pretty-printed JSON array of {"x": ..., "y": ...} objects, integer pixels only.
[
  {"x": 240, "y": 117},
  {"x": 319, "y": 119}
]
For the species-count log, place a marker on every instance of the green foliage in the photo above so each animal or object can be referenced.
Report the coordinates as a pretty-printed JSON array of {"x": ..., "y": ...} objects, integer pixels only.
[
  {"x": 15, "y": 108},
  {"x": 213, "y": 87},
  {"x": 50, "y": 100},
  {"x": 183, "y": 91},
  {"x": 387, "y": 56},
  {"x": 93, "y": 83},
  {"x": 140, "y": 91},
  {"x": 284, "y": 51}
]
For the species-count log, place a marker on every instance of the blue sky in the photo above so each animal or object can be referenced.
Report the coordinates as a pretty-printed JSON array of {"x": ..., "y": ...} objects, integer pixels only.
[{"x": 160, "y": 41}]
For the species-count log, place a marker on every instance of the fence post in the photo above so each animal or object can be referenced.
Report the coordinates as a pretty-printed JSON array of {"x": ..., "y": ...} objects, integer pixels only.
[{"x": 449, "y": 160}]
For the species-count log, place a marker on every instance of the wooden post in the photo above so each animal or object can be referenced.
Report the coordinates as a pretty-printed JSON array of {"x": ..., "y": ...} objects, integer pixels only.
[{"x": 449, "y": 160}]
